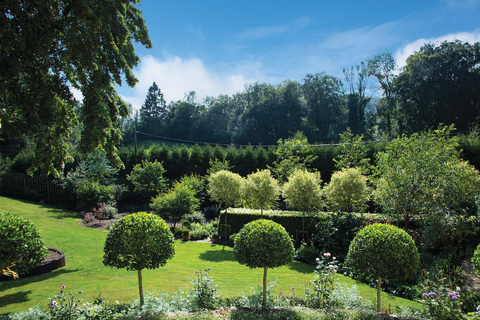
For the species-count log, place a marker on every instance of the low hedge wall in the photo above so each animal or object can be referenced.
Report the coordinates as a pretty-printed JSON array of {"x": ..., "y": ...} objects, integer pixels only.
[{"x": 333, "y": 231}]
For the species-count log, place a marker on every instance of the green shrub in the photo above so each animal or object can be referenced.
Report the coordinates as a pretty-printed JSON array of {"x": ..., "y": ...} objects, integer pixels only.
[
  {"x": 347, "y": 191},
  {"x": 319, "y": 293},
  {"x": 204, "y": 295},
  {"x": 20, "y": 244},
  {"x": 307, "y": 254},
  {"x": 383, "y": 251},
  {"x": 201, "y": 231},
  {"x": 104, "y": 211},
  {"x": 89, "y": 193},
  {"x": 263, "y": 244},
  {"x": 476, "y": 260},
  {"x": 148, "y": 177},
  {"x": 193, "y": 217},
  {"x": 261, "y": 190},
  {"x": 175, "y": 204},
  {"x": 211, "y": 212}
]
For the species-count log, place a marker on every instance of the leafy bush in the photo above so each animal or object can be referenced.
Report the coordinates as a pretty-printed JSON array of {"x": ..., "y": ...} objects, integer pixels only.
[
  {"x": 211, "y": 212},
  {"x": 197, "y": 217},
  {"x": 201, "y": 231},
  {"x": 320, "y": 292},
  {"x": 89, "y": 193},
  {"x": 261, "y": 190},
  {"x": 347, "y": 191},
  {"x": 20, "y": 244},
  {"x": 93, "y": 182},
  {"x": 104, "y": 211},
  {"x": 307, "y": 254},
  {"x": 148, "y": 177},
  {"x": 476, "y": 260},
  {"x": 204, "y": 294},
  {"x": 383, "y": 251},
  {"x": 174, "y": 204}
]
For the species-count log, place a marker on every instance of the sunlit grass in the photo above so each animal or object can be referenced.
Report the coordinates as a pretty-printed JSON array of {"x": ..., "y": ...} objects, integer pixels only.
[{"x": 83, "y": 248}]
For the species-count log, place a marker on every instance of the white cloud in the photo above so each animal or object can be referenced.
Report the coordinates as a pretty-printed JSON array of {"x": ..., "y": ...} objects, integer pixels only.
[
  {"x": 403, "y": 53},
  {"x": 175, "y": 76}
]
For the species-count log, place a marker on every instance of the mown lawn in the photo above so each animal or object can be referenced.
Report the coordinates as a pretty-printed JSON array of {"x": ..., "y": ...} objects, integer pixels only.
[{"x": 83, "y": 248}]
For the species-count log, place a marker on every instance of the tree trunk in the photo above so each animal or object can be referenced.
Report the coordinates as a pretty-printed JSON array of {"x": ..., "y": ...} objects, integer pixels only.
[
  {"x": 264, "y": 304},
  {"x": 140, "y": 287},
  {"x": 379, "y": 290}
]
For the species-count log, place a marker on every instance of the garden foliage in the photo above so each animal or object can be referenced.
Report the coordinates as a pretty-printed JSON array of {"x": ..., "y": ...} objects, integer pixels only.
[
  {"x": 347, "y": 191},
  {"x": 21, "y": 246},
  {"x": 175, "y": 204},
  {"x": 261, "y": 190},
  {"x": 148, "y": 177}
]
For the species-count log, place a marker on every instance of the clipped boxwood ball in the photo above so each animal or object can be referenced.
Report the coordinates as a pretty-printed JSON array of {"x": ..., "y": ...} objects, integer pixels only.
[
  {"x": 20, "y": 242},
  {"x": 383, "y": 250},
  {"x": 263, "y": 244}
]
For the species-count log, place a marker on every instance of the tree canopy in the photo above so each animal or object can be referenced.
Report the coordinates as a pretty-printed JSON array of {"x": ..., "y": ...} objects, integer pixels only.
[
  {"x": 48, "y": 48},
  {"x": 439, "y": 84}
]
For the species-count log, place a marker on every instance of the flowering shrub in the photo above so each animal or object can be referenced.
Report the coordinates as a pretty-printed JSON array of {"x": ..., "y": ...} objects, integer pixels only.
[
  {"x": 64, "y": 306},
  {"x": 204, "y": 294},
  {"x": 319, "y": 292},
  {"x": 442, "y": 305}
]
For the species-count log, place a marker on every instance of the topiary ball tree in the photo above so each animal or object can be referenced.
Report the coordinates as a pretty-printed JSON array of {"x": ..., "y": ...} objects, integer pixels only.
[
  {"x": 383, "y": 251},
  {"x": 139, "y": 241},
  {"x": 21, "y": 247},
  {"x": 263, "y": 244}
]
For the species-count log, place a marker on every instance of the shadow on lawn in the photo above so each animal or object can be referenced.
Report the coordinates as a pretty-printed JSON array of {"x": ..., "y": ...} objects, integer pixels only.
[
  {"x": 217, "y": 255},
  {"x": 10, "y": 283},
  {"x": 62, "y": 213},
  {"x": 301, "y": 267},
  {"x": 17, "y": 297}
]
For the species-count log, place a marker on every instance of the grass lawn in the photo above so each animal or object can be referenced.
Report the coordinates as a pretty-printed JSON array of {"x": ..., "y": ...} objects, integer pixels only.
[{"x": 83, "y": 248}]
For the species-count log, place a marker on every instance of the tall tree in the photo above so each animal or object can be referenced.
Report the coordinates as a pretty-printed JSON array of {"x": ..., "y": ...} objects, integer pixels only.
[
  {"x": 153, "y": 110},
  {"x": 357, "y": 79},
  {"x": 259, "y": 118},
  {"x": 323, "y": 94},
  {"x": 382, "y": 66},
  {"x": 440, "y": 84},
  {"x": 47, "y": 46}
]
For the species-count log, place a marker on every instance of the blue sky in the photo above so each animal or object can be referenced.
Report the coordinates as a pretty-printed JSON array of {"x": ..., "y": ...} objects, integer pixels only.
[{"x": 216, "y": 47}]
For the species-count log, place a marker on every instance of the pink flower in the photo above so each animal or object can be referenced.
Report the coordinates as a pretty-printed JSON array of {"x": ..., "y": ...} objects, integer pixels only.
[
  {"x": 318, "y": 259},
  {"x": 330, "y": 267},
  {"x": 327, "y": 255},
  {"x": 63, "y": 286},
  {"x": 334, "y": 258},
  {"x": 54, "y": 303},
  {"x": 293, "y": 288}
]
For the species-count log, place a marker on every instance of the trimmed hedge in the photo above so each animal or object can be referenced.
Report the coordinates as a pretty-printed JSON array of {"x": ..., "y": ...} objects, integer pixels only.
[{"x": 330, "y": 231}]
